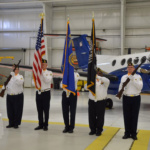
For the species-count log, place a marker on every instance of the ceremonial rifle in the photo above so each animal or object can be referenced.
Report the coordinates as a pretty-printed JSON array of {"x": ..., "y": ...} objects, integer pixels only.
[
  {"x": 128, "y": 80},
  {"x": 8, "y": 79}
]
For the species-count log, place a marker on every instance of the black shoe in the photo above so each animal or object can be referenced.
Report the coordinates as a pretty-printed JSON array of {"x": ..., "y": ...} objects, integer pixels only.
[
  {"x": 126, "y": 137},
  {"x": 134, "y": 137},
  {"x": 38, "y": 128},
  {"x": 9, "y": 126},
  {"x": 98, "y": 133},
  {"x": 16, "y": 126},
  {"x": 70, "y": 131},
  {"x": 45, "y": 128},
  {"x": 92, "y": 133},
  {"x": 65, "y": 130}
]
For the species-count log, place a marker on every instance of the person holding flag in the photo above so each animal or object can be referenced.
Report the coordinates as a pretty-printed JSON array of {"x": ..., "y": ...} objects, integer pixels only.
[
  {"x": 69, "y": 85},
  {"x": 97, "y": 86},
  {"x": 42, "y": 80}
]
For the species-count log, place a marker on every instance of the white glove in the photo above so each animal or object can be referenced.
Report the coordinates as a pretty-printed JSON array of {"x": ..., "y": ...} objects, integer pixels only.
[
  {"x": 3, "y": 88},
  {"x": 139, "y": 70},
  {"x": 12, "y": 73},
  {"x": 39, "y": 92},
  {"x": 117, "y": 98}
]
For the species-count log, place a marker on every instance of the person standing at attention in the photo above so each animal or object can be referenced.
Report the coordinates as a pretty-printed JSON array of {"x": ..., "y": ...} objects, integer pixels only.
[
  {"x": 131, "y": 102},
  {"x": 14, "y": 98},
  {"x": 97, "y": 104},
  {"x": 69, "y": 104},
  {"x": 43, "y": 97}
]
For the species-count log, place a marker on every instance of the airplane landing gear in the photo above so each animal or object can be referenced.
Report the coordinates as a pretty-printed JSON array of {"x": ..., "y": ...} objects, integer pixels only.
[{"x": 109, "y": 103}]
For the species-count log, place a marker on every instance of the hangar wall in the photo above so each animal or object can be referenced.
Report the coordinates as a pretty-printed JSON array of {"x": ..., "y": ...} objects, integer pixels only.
[{"x": 18, "y": 28}]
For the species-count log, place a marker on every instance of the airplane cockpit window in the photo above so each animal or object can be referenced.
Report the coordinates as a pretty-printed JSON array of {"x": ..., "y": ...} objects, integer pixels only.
[
  {"x": 123, "y": 62},
  {"x": 136, "y": 60},
  {"x": 143, "y": 59},
  {"x": 129, "y": 60},
  {"x": 113, "y": 62}
]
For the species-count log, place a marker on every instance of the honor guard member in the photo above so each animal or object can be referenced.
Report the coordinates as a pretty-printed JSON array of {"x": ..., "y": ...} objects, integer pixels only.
[
  {"x": 97, "y": 104},
  {"x": 43, "y": 97},
  {"x": 69, "y": 104},
  {"x": 131, "y": 102},
  {"x": 15, "y": 98}
]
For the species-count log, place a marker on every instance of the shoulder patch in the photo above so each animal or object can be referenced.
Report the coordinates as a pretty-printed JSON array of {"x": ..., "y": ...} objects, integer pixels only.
[{"x": 97, "y": 80}]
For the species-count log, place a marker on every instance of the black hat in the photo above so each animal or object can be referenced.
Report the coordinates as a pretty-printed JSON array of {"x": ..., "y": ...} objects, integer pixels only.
[
  {"x": 98, "y": 69},
  {"x": 44, "y": 60},
  {"x": 130, "y": 64}
]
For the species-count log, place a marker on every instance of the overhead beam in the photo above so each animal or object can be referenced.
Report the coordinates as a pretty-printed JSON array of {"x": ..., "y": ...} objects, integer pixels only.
[{"x": 123, "y": 12}]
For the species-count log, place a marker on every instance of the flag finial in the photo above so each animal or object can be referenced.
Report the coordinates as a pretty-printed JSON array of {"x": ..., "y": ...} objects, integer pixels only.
[
  {"x": 93, "y": 14},
  {"x": 42, "y": 15},
  {"x": 67, "y": 18}
]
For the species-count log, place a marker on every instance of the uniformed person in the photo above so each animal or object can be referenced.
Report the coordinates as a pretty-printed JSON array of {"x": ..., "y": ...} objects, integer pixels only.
[
  {"x": 97, "y": 104},
  {"x": 15, "y": 98},
  {"x": 131, "y": 102},
  {"x": 43, "y": 97},
  {"x": 69, "y": 104}
]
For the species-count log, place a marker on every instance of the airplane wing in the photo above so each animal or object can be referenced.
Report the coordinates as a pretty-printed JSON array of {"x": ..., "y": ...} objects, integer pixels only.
[
  {"x": 72, "y": 35},
  {"x": 57, "y": 72},
  {"x": 3, "y": 75}
]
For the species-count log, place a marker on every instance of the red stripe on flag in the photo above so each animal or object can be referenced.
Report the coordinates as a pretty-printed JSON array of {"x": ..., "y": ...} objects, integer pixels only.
[{"x": 43, "y": 46}]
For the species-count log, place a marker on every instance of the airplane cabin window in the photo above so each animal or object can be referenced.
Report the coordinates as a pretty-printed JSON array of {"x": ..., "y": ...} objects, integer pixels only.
[
  {"x": 123, "y": 62},
  {"x": 113, "y": 62},
  {"x": 129, "y": 60},
  {"x": 136, "y": 60},
  {"x": 143, "y": 58}
]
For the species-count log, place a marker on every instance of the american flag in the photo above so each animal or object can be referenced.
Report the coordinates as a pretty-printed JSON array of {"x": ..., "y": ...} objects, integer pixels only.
[{"x": 37, "y": 62}]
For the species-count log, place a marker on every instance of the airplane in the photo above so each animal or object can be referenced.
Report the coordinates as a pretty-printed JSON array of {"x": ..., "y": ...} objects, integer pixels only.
[
  {"x": 117, "y": 66},
  {"x": 113, "y": 67}
]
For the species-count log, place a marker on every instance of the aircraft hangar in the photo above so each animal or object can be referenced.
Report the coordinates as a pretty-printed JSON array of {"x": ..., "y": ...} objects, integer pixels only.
[{"x": 122, "y": 27}]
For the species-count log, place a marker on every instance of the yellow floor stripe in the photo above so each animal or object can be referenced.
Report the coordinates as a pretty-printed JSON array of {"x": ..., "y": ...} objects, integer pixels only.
[
  {"x": 56, "y": 123},
  {"x": 143, "y": 140},
  {"x": 104, "y": 139}
]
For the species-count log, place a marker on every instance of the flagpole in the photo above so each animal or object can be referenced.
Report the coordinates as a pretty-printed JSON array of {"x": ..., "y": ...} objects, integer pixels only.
[
  {"x": 93, "y": 37},
  {"x": 42, "y": 17},
  {"x": 66, "y": 45}
]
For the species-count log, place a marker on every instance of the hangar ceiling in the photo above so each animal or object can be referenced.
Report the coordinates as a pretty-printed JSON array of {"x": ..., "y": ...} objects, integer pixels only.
[{"x": 21, "y": 4}]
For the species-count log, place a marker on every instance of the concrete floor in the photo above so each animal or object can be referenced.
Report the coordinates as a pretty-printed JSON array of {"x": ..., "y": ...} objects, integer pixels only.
[{"x": 26, "y": 138}]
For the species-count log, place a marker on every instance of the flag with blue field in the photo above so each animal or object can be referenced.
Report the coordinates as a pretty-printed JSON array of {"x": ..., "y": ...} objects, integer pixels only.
[
  {"x": 82, "y": 51},
  {"x": 67, "y": 68}
]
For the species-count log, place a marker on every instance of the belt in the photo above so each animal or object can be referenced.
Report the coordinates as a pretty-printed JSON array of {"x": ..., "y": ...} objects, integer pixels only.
[
  {"x": 45, "y": 90},
  {"x": 131, "y": 95},
  {"x": 15, "y": 93}
]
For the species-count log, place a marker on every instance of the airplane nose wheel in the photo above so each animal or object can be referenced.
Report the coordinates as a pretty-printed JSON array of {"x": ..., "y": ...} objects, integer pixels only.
[{"x": 109, "y": 103}]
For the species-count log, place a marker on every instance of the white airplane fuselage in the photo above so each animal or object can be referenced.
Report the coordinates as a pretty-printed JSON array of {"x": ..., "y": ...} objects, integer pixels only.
[{"x": 111, "y": 63}]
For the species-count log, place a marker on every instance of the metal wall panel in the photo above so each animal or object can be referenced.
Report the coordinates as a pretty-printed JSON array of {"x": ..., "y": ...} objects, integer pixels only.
[
  {"x": 22, "y": 26},
  {"x": 19, "y": 54}
]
